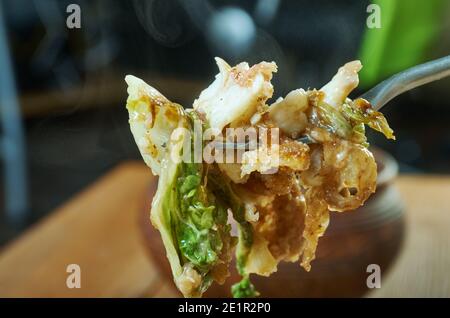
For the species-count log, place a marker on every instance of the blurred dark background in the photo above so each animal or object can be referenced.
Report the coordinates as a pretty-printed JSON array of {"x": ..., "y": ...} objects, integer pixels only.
[{"x": 70, "y": 96}]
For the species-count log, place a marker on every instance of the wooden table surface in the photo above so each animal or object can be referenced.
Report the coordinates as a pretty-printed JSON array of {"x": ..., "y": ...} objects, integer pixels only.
[{"x": 99, "y": 230}]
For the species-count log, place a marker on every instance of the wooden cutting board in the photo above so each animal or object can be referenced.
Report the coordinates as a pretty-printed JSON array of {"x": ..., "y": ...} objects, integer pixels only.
[{"x": 99, "y": 229}]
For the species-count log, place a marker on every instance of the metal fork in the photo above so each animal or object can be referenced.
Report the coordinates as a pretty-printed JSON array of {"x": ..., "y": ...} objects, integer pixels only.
[{"x": 407, "y": 80}]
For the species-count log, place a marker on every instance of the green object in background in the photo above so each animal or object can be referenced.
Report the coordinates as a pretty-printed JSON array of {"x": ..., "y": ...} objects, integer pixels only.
[{"x": 408, "y": 30}]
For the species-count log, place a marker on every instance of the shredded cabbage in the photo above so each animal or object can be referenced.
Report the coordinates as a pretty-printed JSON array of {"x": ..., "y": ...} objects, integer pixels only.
[{"x": 322, "y": 164}]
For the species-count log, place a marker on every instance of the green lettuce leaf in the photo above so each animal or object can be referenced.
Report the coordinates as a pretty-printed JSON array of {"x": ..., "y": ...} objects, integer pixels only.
[
  {"x": 222, "y": 189},
  {"x": 349, "y": 120},
  {"x": 360, "y": 111},
  {"x": 200, "y": 220},
  {"x": 244, "y": 289},
  {"x": 191, "y": 221}
]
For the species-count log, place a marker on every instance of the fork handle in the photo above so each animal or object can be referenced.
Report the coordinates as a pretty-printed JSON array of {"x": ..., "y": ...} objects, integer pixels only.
[{"x": 404, "y": 81}]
